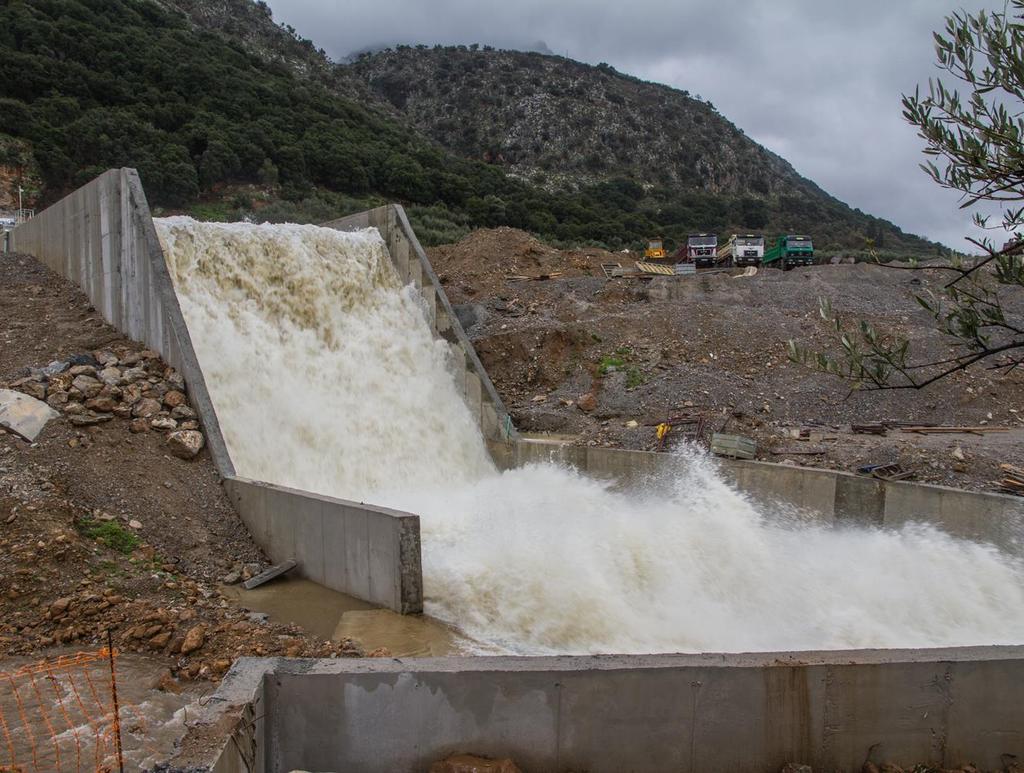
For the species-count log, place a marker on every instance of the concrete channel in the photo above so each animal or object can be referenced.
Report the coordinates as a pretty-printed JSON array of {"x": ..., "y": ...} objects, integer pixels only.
[{"x": 832, "y": 710}]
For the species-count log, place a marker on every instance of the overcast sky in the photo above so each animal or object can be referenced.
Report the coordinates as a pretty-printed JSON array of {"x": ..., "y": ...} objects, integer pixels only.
[{"x": 816, "y": 81}]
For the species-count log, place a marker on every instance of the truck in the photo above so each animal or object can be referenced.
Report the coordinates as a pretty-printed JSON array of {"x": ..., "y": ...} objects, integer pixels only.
[
  {"x": 789, "y": 252},
  {"x": 701, "y": 250},
  {"x": 742, "y": 250}
]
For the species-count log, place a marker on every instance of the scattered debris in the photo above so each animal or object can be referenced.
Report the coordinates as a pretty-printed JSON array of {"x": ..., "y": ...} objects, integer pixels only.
[
  {"x": 654, "y": 268},
  {"x": 469, "y": 763},
  {"x": 1013, "y": 481},
  {"x": 275, "y": 571},
  {"x": 734, "y": 446},
  {"x": 888, "y": 472},
  {"x": 980, "y": 430},
  {"x": 529, "y": 278}
]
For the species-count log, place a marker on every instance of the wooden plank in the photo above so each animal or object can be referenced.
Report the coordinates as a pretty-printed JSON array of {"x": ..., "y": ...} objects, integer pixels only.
[{"x": 270, "y": 574}]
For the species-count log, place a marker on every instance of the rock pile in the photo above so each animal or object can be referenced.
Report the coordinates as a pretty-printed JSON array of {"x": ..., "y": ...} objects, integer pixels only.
[{"x": 136, "y": 386}]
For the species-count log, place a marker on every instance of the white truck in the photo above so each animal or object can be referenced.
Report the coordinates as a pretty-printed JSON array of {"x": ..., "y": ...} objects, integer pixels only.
[{"x": 742, "y": 250}]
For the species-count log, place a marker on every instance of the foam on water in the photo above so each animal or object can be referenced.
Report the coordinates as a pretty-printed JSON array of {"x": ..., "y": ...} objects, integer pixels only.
[{"x": 325, "y": 376}]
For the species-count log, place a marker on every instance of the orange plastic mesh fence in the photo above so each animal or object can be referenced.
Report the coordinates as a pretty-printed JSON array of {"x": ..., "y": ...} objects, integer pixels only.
[{"x": 57, "y": 715}]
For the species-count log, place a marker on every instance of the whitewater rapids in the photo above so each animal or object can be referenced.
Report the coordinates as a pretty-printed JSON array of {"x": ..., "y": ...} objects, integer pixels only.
[{"x": 326, "y": 377}]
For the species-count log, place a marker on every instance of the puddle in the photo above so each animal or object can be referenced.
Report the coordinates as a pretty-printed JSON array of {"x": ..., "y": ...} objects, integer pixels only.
[
  {"x": 333, "y": 615},
  {"x": 297, "y": 601}
]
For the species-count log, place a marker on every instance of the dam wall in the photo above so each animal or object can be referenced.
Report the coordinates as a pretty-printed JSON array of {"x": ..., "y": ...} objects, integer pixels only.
[
  {"x": 414, "y": 267},
  {"x": 102, "y": 238},
  {"x": 748, "y": 713},
  {"x": 835, "y": 498}
]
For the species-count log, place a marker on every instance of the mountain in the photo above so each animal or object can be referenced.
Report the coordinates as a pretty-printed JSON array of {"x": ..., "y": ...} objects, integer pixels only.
[
  {"x": 564, "y": 125},
  {"x": 229, "y": 115}
]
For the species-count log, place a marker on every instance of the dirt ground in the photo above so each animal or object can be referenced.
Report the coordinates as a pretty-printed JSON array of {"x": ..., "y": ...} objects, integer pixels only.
[
  {"x": 713, "y": 347},
  {"x": 101, "y": 525}
]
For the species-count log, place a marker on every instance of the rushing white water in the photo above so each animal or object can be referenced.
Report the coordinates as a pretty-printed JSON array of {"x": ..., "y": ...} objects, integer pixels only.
[{"x": 325, "y": 377}]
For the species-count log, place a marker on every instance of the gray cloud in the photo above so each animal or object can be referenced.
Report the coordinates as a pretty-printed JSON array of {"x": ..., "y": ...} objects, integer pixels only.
[{"x": 817, "y": 81}]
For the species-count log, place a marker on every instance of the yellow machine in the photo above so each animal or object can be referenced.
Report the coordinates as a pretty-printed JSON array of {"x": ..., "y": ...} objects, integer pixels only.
[{"x": 655, "y": 250}]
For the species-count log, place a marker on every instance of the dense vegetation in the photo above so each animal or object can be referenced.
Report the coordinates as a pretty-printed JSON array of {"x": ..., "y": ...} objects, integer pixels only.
[{"x": 218, "y": 129}]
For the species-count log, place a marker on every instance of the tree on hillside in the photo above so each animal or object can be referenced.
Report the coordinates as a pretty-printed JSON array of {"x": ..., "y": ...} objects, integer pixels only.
[{"x": 975, "y": 145}]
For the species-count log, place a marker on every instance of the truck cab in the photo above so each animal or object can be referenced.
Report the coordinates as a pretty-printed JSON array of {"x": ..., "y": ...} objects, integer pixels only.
[
  {"x": 702, "y": 249},
  {"x": 744, "y": 250},
  {"x": 791, "y": 251}
]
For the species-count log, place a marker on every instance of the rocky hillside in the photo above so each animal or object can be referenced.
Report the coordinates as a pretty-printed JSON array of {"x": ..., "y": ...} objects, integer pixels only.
[{"x": 562, "y": 125}]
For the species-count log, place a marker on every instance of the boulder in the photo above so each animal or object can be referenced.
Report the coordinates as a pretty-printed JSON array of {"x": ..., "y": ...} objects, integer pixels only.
[
  {"x": 163, "y": 423},
  {"x": 83, "y": 359},
  {"x": 174, "y": 399},
  {"x": 87, "y": 385},
  {"x": 82, "y": 370},
  {"x": 186, "y": 444},
  {"x": 88, "y": 420},
  {"x": 33, "y": 389},
  {"x": 146, "y": 407},
  {"x": 54, "y": 368},
  {"x": 139, "y": 425},
  {"x": 101, "y": 404},
  {"x": 110, "y": 376},
  {"x": 23, "y": 415},
  {"x": 182, "y": 412},
  {"x": 587, "y": 402},
  {"x": 194, "y": 639}
]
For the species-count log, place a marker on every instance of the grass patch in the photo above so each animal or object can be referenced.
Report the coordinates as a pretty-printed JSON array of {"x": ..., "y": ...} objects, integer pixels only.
[
  {"x": 634, "y": 377},
  {"x": 109, "y": 533},
  {"x": 608, "y": 362}
]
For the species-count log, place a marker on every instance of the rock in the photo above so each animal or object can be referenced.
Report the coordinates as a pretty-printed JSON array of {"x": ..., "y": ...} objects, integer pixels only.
[
  {"x": 194, "y": 639},
  {"x": 33, "y": 389},
  {"x": 174, "y": 379},
  {"x": 189, "y": 425},
  {"x": 23, "y": 415},
  {"x": 796, "y": 767},
  {"x": 632, "y": 424},
  {"x": 232, "y": 578},
  {"x": 174, "y": 398},
  {"x": 380, "y": 652},
  {"x": 134, "y": 524},
  {"x": 149, "y": 354},
  {"x": 101, "y": 404},
  {"x": 133, "y": 374},
  {"x": 250, "y": 570},
  {"x": 182, "y": 412},
  {"x": 87, "y": 385},
  {"x": 160, "y": 640},
  {"x": 83, "y": 359},
  {"x": 139, "y": 425},
  {"x": 57, "y": 398},
  {"x": 54, "y": 368},
  {"x": 82, "y": 370},
  {"x": 60, "y": 606},
  {"x": 958, "y": 454},
  {"x": 105, "y": 358},
  {"x": 146, "y": 407},
  {"x": 468, "y": 763},
  {"x": 73, "y": 409},
  {"x": 539, "y": 398},
  {"x": 88, "y": 420},
  {"x": 110, "y": 376},
  {"x": 131, "y": 358},
  {"x": 587, "y": 402},
  {"x": 186, "y": 444},
  {"x": 163, "y": 423},
  {"x": 122, "y": 411}
]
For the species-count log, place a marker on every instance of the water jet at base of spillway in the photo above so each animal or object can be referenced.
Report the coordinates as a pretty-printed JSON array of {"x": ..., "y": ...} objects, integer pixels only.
[{"x": 325, "y": 376}]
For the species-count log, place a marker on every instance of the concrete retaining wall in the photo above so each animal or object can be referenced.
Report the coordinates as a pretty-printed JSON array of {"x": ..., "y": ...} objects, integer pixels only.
[
  {"x": 102, "y": 238},
  {"x": 834, "y": 497},
  {"x": 369, "y": 552},
  {"x": 833, "y": 711},
  {"x": 414, "y": 267}
]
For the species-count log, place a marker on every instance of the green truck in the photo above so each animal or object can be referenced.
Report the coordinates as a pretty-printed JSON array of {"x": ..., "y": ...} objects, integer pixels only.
[{"x": 789, "y": 252}]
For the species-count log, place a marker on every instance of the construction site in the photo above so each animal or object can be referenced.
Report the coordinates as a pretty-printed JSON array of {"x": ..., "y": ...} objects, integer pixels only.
[{"x": 315, "y": 498}]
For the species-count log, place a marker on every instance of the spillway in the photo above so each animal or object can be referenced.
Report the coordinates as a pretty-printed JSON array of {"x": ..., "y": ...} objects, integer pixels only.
[{"x": 326, "y": 377}]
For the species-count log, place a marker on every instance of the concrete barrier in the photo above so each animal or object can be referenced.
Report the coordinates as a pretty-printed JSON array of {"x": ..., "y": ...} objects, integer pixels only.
[
  {"x": 102, "y": 238},
  {"x": 829, "y": 710},
  {"x": 414, "y": 267},
  {"x": 833, "y": 497},
  {"x": 372, "y": 553}
]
